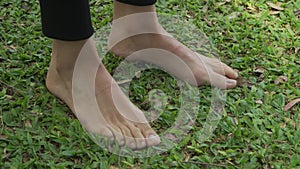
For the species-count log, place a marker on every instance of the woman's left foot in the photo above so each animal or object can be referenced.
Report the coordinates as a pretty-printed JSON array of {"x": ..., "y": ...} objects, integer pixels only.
[{"x": 129, "y": 27}]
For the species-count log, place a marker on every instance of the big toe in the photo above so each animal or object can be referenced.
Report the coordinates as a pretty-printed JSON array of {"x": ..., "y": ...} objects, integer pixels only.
[
  {"x": 218, "y": 80},
  {"x": 229, "y": 72},
  {"x": 152, "y": 139}
]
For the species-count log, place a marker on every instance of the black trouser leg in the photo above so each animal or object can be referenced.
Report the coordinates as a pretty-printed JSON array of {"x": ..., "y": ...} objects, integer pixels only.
[
  {"x": 70, "y": 20},
  {"x": 66, "y": 19}
]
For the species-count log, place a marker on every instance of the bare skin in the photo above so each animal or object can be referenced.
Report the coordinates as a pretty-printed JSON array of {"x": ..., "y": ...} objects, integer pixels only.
[
  {"x": 205, "y": 70},
  {"x": 127, "y": 127}
]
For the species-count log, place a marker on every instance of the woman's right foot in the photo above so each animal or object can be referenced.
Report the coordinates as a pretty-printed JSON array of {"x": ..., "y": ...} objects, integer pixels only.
[{"x": 118, "y": 119}]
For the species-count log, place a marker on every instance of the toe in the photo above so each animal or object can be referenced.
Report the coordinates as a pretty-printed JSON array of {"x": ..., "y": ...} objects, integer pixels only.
[
  {"x": 229, "y": 72},
  {"x": 129, "y": 138},
  {"x": 152, "y": 139},
  {"x": 218, "y": 80},
  {"x": 119, "y": 137},
  {"x": 140, "y": 140},
  {"x": 230, "y": 83},
  {"x": 106, "y": 132}
]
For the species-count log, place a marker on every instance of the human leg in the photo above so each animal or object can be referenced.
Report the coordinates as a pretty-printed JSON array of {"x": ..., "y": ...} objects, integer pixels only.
[
  {"x": 205, "y": 70},
  {"x": 71, "y": 36}
]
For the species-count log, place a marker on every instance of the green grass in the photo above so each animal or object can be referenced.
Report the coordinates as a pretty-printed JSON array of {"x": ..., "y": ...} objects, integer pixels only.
[{"x": 39, "y": 131}]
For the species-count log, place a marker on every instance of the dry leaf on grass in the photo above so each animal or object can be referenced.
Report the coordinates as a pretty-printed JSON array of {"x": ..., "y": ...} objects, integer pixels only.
[
  {"x": 113, "y": 167},
  {"x": 259, "y": 70},
  {"x": 205, "y": 8},
  {"x": 252, "y": 9},
  {"x": 291, "y": 122},
  {"x": 291, "y": 104},
  {"x": 275, "y": 6},
  {"x": 274, "y": 12},
  {"x": 280, "y": 79},
  {"x": 241, "y": 81},
  {"x": 28, "y": 123},
  {"x": 9, "y": 97},
  {"x": 234, "y": 15},
  {"x": 258, "y": 102},
  {"x": 3, "y": 137}
]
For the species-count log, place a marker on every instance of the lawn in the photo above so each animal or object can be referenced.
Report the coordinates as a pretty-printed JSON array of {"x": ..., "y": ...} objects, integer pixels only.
[{"x": 260, "y": 39}]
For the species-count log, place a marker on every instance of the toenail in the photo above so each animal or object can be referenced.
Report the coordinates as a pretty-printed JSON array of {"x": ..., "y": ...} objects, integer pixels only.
[
  {"x": 231, "y": 81},
  {"x": 132, "y": 145},
  {"x": 121, "y": 142},
  {"x": 143, "y": 143},
  {"x": 154, "y": 137},
  {"x": 236, "y": 74}
]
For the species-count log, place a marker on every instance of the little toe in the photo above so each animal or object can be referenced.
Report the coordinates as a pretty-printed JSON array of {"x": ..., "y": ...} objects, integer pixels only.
[{"x": 106, "y": 132}]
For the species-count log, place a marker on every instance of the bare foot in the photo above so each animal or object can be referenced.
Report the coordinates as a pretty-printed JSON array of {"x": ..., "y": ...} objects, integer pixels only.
[
  {"x": 132, "y": 29},
  {"x": 128, "y": 127}
]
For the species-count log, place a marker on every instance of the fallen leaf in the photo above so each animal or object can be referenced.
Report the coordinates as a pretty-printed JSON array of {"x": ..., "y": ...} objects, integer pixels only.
[
  {"x": 274, "y": 12},
  {"x": 259, "y": 70},
  {"x": 186, "y": 157},
  {"x": 5, "y": 155},
  {"x": 28, "y": 123},
  {"x": 258, "y": 102},
  {"x": 241, "y": 81},
  {"x": 297, "y": 85},
  {"x": 138, "y": 74},
  {"x": 208, "y": 21},
  {"x": 291, "y": 104},
  {"x": 297, "y": 49},
  {"x": 280, "y": 79},
  {"x": 113, "y": 167},
  {"x": 290, "y": 121},
  {"x": 205, "y": 8},
  {"x": 9, "y": 97},
  {"x": 224, "y": 2},
  {"x": 234, "y": 15},
  {"x": 252, "y": 9},
  {"x": 3, "y": 137},
  {"x": 236, "y": 121},
  {"x": 12, "y": 47},
  {"x": 275, "y": 6}
]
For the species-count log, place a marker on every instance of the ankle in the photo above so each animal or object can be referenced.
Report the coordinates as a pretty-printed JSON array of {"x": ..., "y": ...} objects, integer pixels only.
[
  {"x": 65, "y": 54},
  {"x": 145, "y": 16},
  {"x": 130, "y": 20},
  {"x": 122, "y": 9}
]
